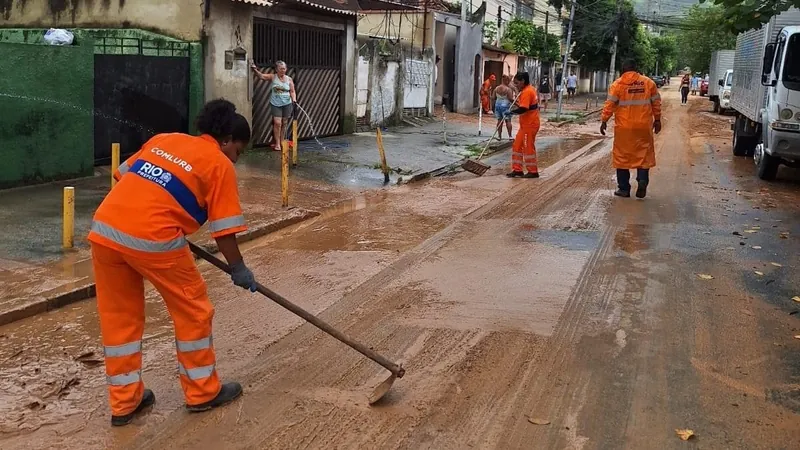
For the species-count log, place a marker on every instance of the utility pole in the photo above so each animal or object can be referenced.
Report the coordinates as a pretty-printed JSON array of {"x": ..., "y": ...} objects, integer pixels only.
[
  {"x": 566, "y": 57},
  {"x": 544, "y": 51},
  {"x": 612, "y": 66},
  {"x": 499, "y": 24}
]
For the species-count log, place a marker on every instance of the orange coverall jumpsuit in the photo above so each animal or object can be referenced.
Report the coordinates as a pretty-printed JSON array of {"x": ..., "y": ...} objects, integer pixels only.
[
  {"x": 636, "y": 102},
  {"x": 523, "y": 149},
  {"x": 167, "y": 190},
  {"x": 486, "y": 89}
]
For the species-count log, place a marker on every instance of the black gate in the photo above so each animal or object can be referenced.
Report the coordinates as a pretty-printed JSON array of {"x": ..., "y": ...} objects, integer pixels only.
[
  {"x": 314, "y": 58},
  {"x": 137, "y": 96}
]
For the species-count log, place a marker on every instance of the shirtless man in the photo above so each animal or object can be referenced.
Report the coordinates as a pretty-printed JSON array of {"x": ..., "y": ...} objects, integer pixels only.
[{"x": 503, "y": 97}]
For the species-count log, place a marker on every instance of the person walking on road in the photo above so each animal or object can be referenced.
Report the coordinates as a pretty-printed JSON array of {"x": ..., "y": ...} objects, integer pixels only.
[
  {"x": 503, "y": 96},
  {"x": 282, "y": 100},
  {"x": 635, "y": 100},
  {"x": 544, "y": 92},
  {"x": 572, "y": 86},
  {"x": 695, "y": 84},
  {"x": 486, "y": 90},
  {"x": 172, "y": 186},
  {"x": 685, "y": 89},
  {"x": 524, "y": 149}
]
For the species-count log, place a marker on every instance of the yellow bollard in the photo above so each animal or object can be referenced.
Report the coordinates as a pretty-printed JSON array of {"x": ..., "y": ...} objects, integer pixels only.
[
  {"x": 114, "y": 162},
  {"x": 68, "y": 234},
  {"x": 384, "y": 166},
  {"x": 284, "y": 173},
  {"x": 294, "y": 142}
]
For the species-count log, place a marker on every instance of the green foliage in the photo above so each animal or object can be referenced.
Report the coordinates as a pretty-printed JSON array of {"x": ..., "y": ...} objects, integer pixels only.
[
  {"x": 666, "y": 50},
  {"x": 743, "y": 15},
  {"x": 704, "y": 31},
  {"x": 595, "y": 25},
  {"x": 642, "y": 50},
  {"x": 523, "y": 37},
  {"x": 489, "y": 31}
]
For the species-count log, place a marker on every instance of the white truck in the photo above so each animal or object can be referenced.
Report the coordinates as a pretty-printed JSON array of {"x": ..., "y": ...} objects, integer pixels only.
[
  {"x": 766, "y": 94},
  {"x": 721, "y": 64}
]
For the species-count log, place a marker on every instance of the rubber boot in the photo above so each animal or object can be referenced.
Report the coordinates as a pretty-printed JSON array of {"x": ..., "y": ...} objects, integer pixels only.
[
  {"x": 229, "y": 392},
  {"x": 641, "y": 189},
  {"x": 148, "y": 399},
  {"x": 514, "y": 174},
  {"x": 621, "y": 193},
  {"x": 531, "y": 175}
]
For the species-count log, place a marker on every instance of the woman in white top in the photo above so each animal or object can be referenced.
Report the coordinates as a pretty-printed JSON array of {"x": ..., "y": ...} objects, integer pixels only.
[{"x": 282, "y": 99}]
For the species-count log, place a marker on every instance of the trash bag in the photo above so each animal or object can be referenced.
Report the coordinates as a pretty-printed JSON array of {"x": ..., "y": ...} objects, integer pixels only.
[{"x": 59, "y": 36}]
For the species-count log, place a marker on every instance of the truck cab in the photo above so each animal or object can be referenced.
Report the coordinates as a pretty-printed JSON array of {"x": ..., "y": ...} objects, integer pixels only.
[
  {"x": 725, "y": 84},
  {"x": 780, "y": 117}
]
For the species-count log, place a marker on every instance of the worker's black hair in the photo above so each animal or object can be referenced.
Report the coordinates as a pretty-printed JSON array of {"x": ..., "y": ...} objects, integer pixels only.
[
  {"x": 219, "y": 119},
  {"x": 523, "y": 76},
  {"x": 629, "y": 65}
]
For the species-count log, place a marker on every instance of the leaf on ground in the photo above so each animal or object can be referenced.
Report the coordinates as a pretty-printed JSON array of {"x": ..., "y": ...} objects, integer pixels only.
[
  {"x": 761, "y": 274},
  {"x": 796, "y": 298},
  {"x": 705, "y": 276},
  {"x": 776, "y": 264},
  {"x": 755, "y": 227},
  {"x": 537, "y": 421},
  {"x": 751, "y": 231},
  {"x": 685, "y": 435},
  {"x": 756, "y": 247}
]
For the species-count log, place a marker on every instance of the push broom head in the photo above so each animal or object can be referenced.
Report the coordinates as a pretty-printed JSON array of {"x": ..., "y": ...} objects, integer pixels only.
[{"x": 475, "y": 167}]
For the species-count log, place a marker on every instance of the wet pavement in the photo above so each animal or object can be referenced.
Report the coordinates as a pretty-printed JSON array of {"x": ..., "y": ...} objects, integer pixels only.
[{"x": 524, "y": 311}]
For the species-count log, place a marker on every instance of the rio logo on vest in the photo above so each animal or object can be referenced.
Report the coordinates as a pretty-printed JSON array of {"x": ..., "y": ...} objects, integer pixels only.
[{"x": 155, "y": 174}]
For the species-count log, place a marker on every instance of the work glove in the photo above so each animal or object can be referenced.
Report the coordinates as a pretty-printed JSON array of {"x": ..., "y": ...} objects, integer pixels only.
[
  {"x": 242, "y": 276},
  {"x": 657, "y": 126},
  {"x": 604, "y": 126}
]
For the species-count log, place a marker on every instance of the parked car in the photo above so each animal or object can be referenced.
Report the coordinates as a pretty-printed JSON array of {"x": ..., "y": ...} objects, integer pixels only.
[
  {"x": 658, "y": 80},
  {"x": 703, "y": 88}
]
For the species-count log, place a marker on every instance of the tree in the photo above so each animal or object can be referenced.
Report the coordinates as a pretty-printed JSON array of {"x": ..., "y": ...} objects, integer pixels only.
[
  {"x": 523, "y": 37},
  {"x": 595, "y": 25},
  {"x": 703, "y": 31},
  {"x": 666, "y": 50},
  {"x": 641, "y": 50},
  {"x": 489, "y": 31},
  {"x": 743, "y": 15}
]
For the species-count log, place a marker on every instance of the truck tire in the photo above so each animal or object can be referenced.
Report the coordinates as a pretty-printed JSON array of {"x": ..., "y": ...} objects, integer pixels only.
[
  {"x": 742, "y": 145},
  {"x": 716, "y": 106},
  {"x": 767, "y": 164}
]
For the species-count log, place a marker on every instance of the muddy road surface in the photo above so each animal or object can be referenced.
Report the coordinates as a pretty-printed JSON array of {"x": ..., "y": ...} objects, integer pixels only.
[{"x": 528, "y": 314}]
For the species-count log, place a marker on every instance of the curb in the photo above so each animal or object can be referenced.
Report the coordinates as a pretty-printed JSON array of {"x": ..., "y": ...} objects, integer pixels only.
[
  {"x": 453, "y": 166},
  {"x": 88, "y": 290}
]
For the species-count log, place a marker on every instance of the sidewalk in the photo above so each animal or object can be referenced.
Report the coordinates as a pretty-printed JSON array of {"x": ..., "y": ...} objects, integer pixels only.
[{"x": 36, "y": 275}]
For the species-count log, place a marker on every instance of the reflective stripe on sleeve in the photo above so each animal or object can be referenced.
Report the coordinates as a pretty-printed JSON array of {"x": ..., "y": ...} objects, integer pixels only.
[
  {"x": 655, "y": 97},
  {"x": 124, "y": 379},
  {"x": 645, "y": 101},
  {"x": 135, "y": 243},
  {"x": 191, "y": 346},
  {"x": 115, "y": 351},
  {"x": 197, "y": 373},
  {"x": 123, "y": 168},
  {"x": 223, "y": 224},
  {"x": 613, "y": 98}
]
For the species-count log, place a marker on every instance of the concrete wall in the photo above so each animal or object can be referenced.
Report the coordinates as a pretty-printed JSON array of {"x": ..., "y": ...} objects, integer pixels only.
[
  {"x": 46, "y": 113},
  {"x": 407, "y": 26},
  {"x": 178, "y": 18},
  {"x": 470, "y": 40},
  {"x": 509, "y": 61},
  {"x": 384, "y": 92},
  {"x": 230, "y": 25}
]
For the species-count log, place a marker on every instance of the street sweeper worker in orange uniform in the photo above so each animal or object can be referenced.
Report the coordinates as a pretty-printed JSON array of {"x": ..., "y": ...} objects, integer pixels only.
[
  {"x": 172, "y": 186},
  {"x": 486, "y": 90},
  {"x": 635, "y": 100},
  {"x": 523, "y": 149}
]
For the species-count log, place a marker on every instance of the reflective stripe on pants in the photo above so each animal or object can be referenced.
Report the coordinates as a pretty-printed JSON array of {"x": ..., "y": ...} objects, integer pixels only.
[
  {"x": 120, "y": 304},
  {"x": 524, "y": 151}
]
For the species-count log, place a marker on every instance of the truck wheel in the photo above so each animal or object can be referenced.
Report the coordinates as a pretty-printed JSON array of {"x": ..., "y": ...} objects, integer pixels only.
[
  {"x": 716, "y": 106},
  {"x": 767, "y": 164},
  {"x": 742, "y": 145}
]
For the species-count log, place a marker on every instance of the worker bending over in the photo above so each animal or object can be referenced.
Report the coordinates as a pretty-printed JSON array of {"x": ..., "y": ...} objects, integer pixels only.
[
  {"x": 523, "y": 149},
  {"x": 167, "y": 190},
  {"x": 635, "y": 100}
]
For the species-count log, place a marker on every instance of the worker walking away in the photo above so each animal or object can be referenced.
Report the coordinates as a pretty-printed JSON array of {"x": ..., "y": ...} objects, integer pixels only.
[
  {"x": 173, "y": 185},
  {"x": 635, "y": 100},
  {"x": 544, "y": 92},
  {"x": 486, "y": 90},
  {"x": 524, "y": 149}
]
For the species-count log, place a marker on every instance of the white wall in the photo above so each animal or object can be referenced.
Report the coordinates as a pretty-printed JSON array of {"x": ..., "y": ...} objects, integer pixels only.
[
  {"x": 384, "y": 83},
  {"x": 415, "y": 83},
  {"x": 362, "y": 87}
]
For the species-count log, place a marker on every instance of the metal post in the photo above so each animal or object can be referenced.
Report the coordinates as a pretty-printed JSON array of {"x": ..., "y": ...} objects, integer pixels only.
[
  {"x": 566, "y": 56},
  {"x": 114, "y": 162},
  {"x": 68, "y": 231},
  {"x": 284, "y": 173},
  {"x": 612, "y": 66},
  {"x": 382, "y": 152},
  {"x": 294, "y": 142}
]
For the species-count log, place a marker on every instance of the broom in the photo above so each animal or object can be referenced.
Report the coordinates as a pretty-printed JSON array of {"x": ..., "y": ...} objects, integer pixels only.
[{"x": 473, "y": 165}]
